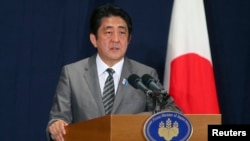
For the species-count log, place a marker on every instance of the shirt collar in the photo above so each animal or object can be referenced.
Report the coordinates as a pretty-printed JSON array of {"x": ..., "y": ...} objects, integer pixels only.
[{"x": 101, "y": 66}]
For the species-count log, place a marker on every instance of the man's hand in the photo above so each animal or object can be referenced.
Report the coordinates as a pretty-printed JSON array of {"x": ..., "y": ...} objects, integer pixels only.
[{"x": 57, "y": 130}]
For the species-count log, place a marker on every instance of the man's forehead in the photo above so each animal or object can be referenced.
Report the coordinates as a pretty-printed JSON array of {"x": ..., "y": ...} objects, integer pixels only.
[{"x": 113, "y": 20}]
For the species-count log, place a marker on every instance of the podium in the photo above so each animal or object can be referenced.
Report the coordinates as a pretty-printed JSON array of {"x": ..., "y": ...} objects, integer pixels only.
[{"x": 130, "y": 128}]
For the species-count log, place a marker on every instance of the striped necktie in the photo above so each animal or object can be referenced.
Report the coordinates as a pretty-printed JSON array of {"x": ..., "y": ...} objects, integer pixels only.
[{"x": 109, "y": 92}]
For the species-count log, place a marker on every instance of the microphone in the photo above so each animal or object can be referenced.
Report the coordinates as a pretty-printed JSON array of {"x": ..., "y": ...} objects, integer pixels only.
[
  {"x": 135, "y": 81},
  {"x": 151, "y": 83}
]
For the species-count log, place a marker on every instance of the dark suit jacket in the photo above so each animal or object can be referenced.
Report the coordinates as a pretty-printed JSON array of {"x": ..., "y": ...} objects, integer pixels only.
[{"x": 78, "y": 94}]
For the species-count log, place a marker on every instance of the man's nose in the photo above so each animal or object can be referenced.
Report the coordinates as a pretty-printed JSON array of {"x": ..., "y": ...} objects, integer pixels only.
[{"x": 115, "y": 37}]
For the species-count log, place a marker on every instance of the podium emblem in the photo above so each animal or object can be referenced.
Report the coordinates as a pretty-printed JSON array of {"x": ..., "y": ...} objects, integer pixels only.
[{"x": 167, "y": 126}]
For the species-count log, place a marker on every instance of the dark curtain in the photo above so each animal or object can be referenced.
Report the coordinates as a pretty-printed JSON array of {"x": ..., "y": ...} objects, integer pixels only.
[
  {"x": 38, "y": 37},
  {"x": 229, "y": 32}
]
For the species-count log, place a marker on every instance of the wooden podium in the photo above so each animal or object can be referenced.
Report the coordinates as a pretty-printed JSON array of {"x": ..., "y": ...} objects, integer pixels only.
[{"x": 130, "y": 128}]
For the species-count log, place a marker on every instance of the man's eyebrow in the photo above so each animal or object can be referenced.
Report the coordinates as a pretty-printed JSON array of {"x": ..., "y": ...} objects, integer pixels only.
[
  {"x": 122, "y": 27},
  {"x": 110, "y": 27}
]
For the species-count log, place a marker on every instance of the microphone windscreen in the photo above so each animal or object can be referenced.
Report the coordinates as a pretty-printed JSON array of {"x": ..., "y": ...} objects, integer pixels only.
[
  {"x": 146, "y": 79},
  {"x": 133, "y": 80}
]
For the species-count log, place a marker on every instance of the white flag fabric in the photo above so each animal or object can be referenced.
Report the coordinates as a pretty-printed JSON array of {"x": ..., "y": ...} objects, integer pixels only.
[{"x": 189, "y": 75}]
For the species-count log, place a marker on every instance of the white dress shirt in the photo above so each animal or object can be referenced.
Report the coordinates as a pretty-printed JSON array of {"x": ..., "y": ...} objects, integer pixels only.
[{"x": 103, "y": 74}]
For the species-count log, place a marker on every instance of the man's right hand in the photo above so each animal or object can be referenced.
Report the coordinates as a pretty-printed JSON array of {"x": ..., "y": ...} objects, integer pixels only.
[{"x": 57, "y": 130}]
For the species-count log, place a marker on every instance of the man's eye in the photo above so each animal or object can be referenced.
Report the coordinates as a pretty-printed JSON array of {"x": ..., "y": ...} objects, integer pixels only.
[{"x": 108, "y": 32}]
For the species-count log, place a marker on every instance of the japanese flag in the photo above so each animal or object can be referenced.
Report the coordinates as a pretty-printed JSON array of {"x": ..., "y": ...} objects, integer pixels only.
[{"x": 189, "y": 76}]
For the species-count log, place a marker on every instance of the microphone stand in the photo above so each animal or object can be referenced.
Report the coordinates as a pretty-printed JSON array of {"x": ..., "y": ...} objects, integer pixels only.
[
  {"x": 158, "y": 100},
  {"x": 157, "y": 107}
]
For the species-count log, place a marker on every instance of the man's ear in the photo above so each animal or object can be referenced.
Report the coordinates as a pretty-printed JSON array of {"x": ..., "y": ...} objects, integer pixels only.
[
  {"x": 93, "y": 39},
  {"x": 129, "y": 38}
]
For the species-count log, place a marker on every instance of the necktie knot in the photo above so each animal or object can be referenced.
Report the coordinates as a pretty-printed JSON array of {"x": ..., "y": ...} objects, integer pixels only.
[{"x": 110, "y": 71}]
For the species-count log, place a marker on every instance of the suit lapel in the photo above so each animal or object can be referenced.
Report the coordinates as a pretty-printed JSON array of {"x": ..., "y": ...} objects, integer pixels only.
[
  {"x": 91, "y": 74},
  {"x": 122, "y": 86}
]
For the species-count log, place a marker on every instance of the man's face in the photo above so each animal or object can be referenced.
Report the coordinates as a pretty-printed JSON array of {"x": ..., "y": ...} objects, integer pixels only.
[{"x": 112, "y": 39}]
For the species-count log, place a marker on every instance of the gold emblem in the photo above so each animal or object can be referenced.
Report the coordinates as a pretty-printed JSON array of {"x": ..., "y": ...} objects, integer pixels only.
[{"x": 168, "y": 131}]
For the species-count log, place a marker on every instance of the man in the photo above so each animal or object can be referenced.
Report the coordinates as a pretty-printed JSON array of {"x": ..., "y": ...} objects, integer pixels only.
[{"x": 80, "y": 91}]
